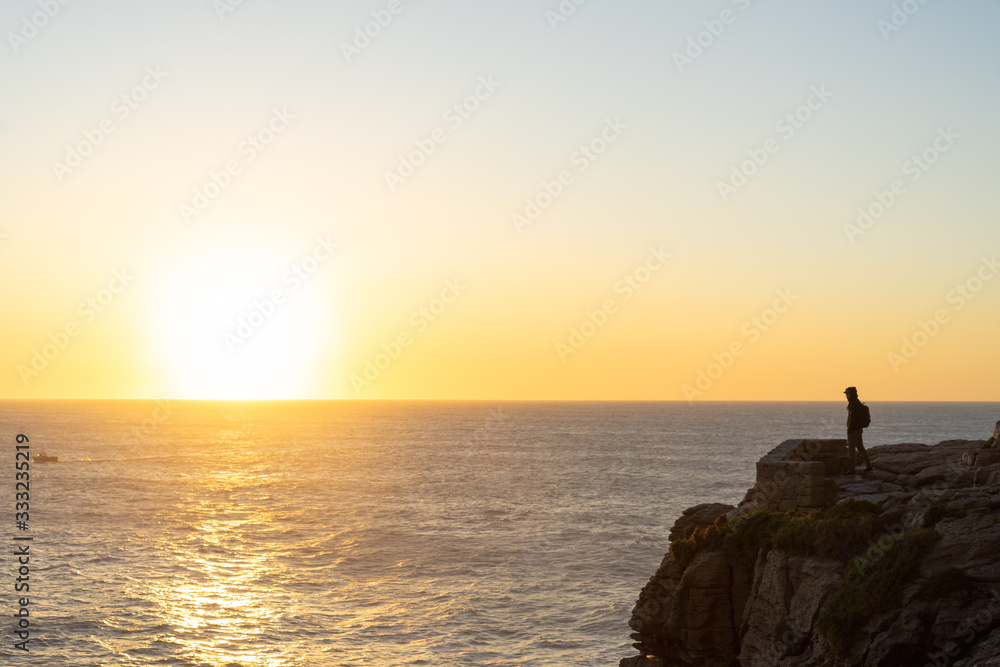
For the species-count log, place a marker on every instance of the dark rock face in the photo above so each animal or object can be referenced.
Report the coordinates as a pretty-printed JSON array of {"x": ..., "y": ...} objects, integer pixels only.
[
  {"x": 696, "y": 517},
  {"x": 985, "y": 654},
  {"x": 687, "y": 614},
  {"x": 724, "y": 612}
]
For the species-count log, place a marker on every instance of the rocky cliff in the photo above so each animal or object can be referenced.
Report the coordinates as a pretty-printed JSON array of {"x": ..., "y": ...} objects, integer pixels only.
[{"x": 899, "y": 566}]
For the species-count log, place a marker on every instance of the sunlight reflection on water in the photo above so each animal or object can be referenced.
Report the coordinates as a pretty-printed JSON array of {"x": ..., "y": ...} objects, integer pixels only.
[{"x": 394, "y": 535}]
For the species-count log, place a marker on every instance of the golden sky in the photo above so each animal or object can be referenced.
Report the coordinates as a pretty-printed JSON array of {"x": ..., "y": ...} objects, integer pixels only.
[{"x": 451, "y": 200}]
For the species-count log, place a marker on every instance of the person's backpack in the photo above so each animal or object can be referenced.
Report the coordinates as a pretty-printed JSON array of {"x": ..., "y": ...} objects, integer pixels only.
[{"x": 864, "y": 416}]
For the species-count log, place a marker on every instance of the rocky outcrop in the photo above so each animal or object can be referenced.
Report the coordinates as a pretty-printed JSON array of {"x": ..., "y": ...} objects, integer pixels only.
[
  {"x": 696, "y": 517},
  {"x": 687, "y": 614},
  {"x": 792, "y": 476},
  {"x": 722, "y": 608},
  {"x": 985, "y": 654}
]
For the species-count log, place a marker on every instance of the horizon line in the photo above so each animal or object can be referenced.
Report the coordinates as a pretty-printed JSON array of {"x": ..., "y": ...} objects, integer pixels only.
[{"x": 475, "y": 400}]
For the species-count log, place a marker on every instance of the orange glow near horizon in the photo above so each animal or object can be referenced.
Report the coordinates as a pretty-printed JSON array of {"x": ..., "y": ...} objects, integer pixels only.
[{"x": 235, "y": 207}]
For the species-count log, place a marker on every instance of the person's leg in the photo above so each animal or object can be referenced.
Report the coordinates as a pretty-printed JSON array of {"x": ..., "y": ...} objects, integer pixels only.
[
  {"x": 864, "y": 452},
  {"x": 851, "y": 452}
]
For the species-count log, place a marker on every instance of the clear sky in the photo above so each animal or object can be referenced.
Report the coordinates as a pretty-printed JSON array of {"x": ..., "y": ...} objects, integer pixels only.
[{"x": 499, "y": 200}]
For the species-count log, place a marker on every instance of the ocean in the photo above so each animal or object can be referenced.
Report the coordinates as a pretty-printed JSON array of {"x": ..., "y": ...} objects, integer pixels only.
[{"x": 388, "y": 534}]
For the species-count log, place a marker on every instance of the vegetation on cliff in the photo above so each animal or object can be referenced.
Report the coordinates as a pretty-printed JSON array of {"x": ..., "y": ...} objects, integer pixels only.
[
  {"x": 902, "y": 570},
  {"x": 943, "y": 584},
  {"x": 840, "y": 531},
  {"x": 873, "y": 583},
  {"x": 873, "y": 578},
  {"x": 941, "y": 510}
]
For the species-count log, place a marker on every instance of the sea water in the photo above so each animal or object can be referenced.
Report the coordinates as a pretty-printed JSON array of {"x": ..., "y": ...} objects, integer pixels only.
[{"x": 374, "y": 533}]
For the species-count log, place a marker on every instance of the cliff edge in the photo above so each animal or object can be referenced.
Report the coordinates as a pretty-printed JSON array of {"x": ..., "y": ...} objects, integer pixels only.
[{"x": 899, "y": 566}]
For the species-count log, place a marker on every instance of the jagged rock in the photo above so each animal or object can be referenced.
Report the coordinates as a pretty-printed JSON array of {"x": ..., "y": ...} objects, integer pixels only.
[
  {"x": 986, "y": 462},
  {"x": 795, "y": 477},
  {"x": 970, "y": 543},
  {"x": 949, "y": 472},
  {"x": 985, "y": 654},
  {"x": 902, "y": 448},
  {"x": 988, "y": 457},
  {"x": 904, "y": 641},
  {"x": 911, "y": 459},
  {"x": 882, "y": 476},
  {"x": 642, "y": 661},
  {"x": 686, "y": 614},
  {"x": 787, "y": 594},
  {"x": 851, "y": 486},
  {"x": 649, "y": 617},
  {"x": 723, "y": 610},
  {"x": 697, "y": 517},
  {"x": 987, "y": 476}
]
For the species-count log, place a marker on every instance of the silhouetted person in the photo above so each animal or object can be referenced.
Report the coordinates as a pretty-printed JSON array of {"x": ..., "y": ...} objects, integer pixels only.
[{"x": 858, "y": 419}]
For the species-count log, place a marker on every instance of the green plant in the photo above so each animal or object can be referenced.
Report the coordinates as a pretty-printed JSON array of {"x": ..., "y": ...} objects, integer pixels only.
[
  {"x": 941, "y": 510},
  {"x": 683, "y": 551},
  {"x": 942, "y": 584},
  {"x": 988, "y": 444},
  {"x": 873, "y": 583},
  {"x": 708, "y": 538},
  {"x": 845, "y": 526}
]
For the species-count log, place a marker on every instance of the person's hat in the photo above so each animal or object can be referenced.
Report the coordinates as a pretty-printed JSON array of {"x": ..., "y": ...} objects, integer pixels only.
[{"x": 851, "y": 390}]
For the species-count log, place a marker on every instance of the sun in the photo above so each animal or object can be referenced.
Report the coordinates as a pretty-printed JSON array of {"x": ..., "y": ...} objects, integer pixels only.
[{"x": 236, "y": 325}]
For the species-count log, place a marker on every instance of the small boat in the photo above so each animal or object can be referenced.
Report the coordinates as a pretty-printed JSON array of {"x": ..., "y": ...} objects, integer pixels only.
[{"x": 42, "y": 458}]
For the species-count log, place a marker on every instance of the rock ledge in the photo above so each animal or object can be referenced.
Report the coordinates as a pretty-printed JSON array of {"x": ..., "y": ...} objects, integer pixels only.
[{"x": 724, "y": 611}]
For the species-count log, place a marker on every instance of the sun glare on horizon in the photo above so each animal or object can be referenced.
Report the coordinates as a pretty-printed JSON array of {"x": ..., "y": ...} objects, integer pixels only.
[{"x": 234, "y": 326}]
